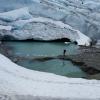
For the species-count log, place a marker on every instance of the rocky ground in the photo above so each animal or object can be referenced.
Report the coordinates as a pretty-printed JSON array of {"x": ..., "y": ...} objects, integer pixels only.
[
  {"x": 88, "y": 58},
  {"x": 4, "y": 49}
]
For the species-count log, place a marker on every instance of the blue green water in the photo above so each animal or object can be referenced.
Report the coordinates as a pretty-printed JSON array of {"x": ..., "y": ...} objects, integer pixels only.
[
  {"x": 42, "y": 48},
  {"x": 60, "y": 67}
]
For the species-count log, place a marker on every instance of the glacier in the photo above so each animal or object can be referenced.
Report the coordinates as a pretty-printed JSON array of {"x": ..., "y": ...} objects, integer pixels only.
[
  {"x": 82, "y": 15},
  {"x": 25, "y": 26},
  {"x": 9, "y": 28},
  {"x": 15, "y": 15},
  {"x": 77, "y": 20},
  {"x": 16, "y": 80}
]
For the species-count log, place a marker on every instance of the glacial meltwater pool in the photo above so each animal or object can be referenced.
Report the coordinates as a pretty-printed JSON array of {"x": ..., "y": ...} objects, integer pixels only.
[{"x": 57, "y": 66}]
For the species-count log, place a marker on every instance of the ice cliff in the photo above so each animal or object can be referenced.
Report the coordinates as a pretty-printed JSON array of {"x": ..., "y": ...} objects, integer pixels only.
[
  {"x": 24, "y": 26},
  {"x": 81, "y": 15}
]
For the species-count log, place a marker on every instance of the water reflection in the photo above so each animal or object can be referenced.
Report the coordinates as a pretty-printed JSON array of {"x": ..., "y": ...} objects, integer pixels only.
[{"x": 57, "y": 66}]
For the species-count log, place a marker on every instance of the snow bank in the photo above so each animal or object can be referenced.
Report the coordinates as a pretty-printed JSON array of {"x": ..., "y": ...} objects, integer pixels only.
[
  {"x": 16, "y": 80},
  {"x": 22, "y": 13},
  {"x": 83, "y": 40}
]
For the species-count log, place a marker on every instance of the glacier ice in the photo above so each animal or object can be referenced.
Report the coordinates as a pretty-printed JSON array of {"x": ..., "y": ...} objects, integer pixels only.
[
  {"x": 2, "y": 27},
  {"x": 40, "y": 28},
  {"x": 21, "y": 13},
  {"x": 79, "y": 14}
]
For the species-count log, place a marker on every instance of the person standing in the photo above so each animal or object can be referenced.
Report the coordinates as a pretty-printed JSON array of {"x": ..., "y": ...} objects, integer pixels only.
[{"x": 64, "y": 52}]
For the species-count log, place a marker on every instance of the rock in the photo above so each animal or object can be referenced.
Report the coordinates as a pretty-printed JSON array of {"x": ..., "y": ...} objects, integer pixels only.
[
  {"x": 88, "y": 59},
  {"x": 96, "y": 76}
]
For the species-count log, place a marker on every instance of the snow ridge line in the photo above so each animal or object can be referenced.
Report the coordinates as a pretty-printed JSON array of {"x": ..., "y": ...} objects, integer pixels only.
[{"x": 56, "y": 82}]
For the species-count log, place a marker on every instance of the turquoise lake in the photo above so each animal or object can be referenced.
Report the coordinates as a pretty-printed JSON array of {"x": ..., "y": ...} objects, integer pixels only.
[{"x": 57, "y": 66}]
